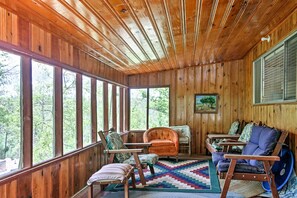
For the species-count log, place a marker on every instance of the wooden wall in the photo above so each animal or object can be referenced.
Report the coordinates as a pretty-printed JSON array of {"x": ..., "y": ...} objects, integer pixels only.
[
  {"x": 222, "y": 78},
  {"x": 65, "y": 175},
  {"x": 233, "y": 82},
  {"x": 282, "y": 116},
  {"x": 25, "y": 37},
  {"x": 61, "y": 178}
]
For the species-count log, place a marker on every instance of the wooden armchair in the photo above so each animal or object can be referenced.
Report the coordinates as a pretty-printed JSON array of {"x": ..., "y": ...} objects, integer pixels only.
[
  {"x": 213, "y": 139},
  {"x": 116, "y": 151},
  {"x": 256, "y": 160}
]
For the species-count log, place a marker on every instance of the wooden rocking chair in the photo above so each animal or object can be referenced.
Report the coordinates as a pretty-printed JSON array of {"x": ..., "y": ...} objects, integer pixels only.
[{"x": 256, "y": 160}]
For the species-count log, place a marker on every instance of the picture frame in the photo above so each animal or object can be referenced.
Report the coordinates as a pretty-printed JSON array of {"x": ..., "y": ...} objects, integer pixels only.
[{"x": 206, "y": 103}]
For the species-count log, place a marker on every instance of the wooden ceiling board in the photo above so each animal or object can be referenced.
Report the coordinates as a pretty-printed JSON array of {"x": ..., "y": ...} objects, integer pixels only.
[
  {"x": 206, "y": 9},
  {"x": 141, "y": 36},
  {"x": 262, "y": 16}
]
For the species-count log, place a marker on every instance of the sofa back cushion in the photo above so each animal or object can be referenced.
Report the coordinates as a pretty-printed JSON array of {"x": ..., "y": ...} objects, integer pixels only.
[{"x": 262, "y": 142}]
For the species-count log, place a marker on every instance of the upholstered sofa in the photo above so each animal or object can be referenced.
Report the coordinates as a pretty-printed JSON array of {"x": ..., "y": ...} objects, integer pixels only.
[{"x": 164, "y": 141}]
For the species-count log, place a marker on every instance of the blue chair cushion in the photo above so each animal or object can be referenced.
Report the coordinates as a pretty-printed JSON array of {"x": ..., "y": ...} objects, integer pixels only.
[
  {"x": 262, "y": 142},
  {"x": 241, "y": 166},
  {"x": 217, "y": 156}
]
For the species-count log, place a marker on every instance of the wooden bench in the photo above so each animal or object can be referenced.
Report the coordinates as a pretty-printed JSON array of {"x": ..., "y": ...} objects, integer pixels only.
[{"x": 115, "y": 173}]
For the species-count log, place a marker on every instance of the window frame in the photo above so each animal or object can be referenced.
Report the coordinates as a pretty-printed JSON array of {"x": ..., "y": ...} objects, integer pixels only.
[
  {"x": 284, "y": 44},
  {"x": 26, "y": 58},
  {"x": 147, "y": 107}
]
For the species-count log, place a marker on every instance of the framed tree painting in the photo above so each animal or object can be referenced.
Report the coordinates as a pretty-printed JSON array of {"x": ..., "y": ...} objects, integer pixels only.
[{"x": 206, "y": 103}]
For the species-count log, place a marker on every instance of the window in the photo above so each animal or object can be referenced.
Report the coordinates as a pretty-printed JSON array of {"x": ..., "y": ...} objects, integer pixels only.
[
  {"x": 158, "y": 107},
  {"x": 10, "y": 113},
  {"x": 275, "y": 74},
  {"x": 100, "y": 111},
  {"x": 138, "y": 108},
  {"x": 149, "y": 107},
  {"x": 86, "y": 100},
  {"x": 69, "y": 111},
  {"x": 43, "y": 111}
]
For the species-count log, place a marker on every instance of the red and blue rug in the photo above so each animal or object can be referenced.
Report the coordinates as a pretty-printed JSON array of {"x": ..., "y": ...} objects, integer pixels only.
[{"x": 181, "y": 176}]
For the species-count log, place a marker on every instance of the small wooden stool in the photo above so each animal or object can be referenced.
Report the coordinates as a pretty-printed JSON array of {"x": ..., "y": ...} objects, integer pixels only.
[{"x": 112, "y": 174}]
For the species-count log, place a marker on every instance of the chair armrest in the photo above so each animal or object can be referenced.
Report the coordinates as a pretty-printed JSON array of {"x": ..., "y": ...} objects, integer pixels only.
[
  {"x": 232, "y": 143},
  {"x": 252, "y": 157},
  {"x": 222, "y": 136},
  {"x": 123, "y": 151},
  {"x": 138, "y": 144}
]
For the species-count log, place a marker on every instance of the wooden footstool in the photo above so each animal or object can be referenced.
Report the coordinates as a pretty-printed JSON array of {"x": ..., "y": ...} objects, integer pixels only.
[{"x": 112, "y": 174}]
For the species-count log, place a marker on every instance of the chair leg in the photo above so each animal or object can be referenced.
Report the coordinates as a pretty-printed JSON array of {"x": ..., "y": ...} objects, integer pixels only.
[
  {"x": 133, "y": 180},
  {"x": 272, "y": 181},
  {"x": 228, "y": 178},
  {"x": 176, "y": 158},
  {"x": 273, "y": 188},
  {"x": 140, "y": 171},
  {"x": 189, "y": 149},
  {"x": 152, "y": 169},
  {"x": 90, "y": 191},
  {"x": 126, "y": 186}
]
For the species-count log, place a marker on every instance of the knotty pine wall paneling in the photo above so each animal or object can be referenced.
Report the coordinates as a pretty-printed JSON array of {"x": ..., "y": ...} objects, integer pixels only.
[
  {"x": 282, "y": 116},
  {"x": 66, "y": 175},
  {"x": 62, "y": 178},
  {"x": 25, "y": 37},
  {"x": 221, "y": 78}
]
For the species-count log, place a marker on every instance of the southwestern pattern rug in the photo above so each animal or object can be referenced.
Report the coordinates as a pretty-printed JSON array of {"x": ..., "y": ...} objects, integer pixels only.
[{"x": 181, "y": 176}]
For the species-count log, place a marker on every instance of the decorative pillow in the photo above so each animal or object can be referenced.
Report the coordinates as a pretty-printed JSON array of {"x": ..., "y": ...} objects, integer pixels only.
[
  {"x": 244, "y": 137},
  {"x": 234, "y": 127},
  {"x": 246, "y": 133},
  {"x": 114, "y": 141}
]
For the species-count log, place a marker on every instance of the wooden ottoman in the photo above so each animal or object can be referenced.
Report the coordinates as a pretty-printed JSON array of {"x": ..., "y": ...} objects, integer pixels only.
[{"x": 112, "y": 174}]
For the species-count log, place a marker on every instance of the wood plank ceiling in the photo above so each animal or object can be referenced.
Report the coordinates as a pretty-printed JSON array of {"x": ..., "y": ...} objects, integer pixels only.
[{"x": 139, "y": 36}]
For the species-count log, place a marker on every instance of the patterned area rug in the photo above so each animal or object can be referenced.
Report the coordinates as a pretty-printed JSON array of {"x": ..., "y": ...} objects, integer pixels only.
[{"x": 181, "y": 176}]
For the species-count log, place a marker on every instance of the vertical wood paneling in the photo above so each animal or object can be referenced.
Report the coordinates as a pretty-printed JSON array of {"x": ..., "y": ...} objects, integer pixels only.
[
  {"x": 282, "y": 116},
  {"x": 23, "y": 33},
  {"x": 196, "y": 128},
  {"x": 66, "y": 177},
  {"x": 226, "y": 95},
  {"x": 219, "y": 78},
  {"x": 60, "y": 179},
  {"x": 20, "y": 32},
  {"x": 219, "y": 90}
]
